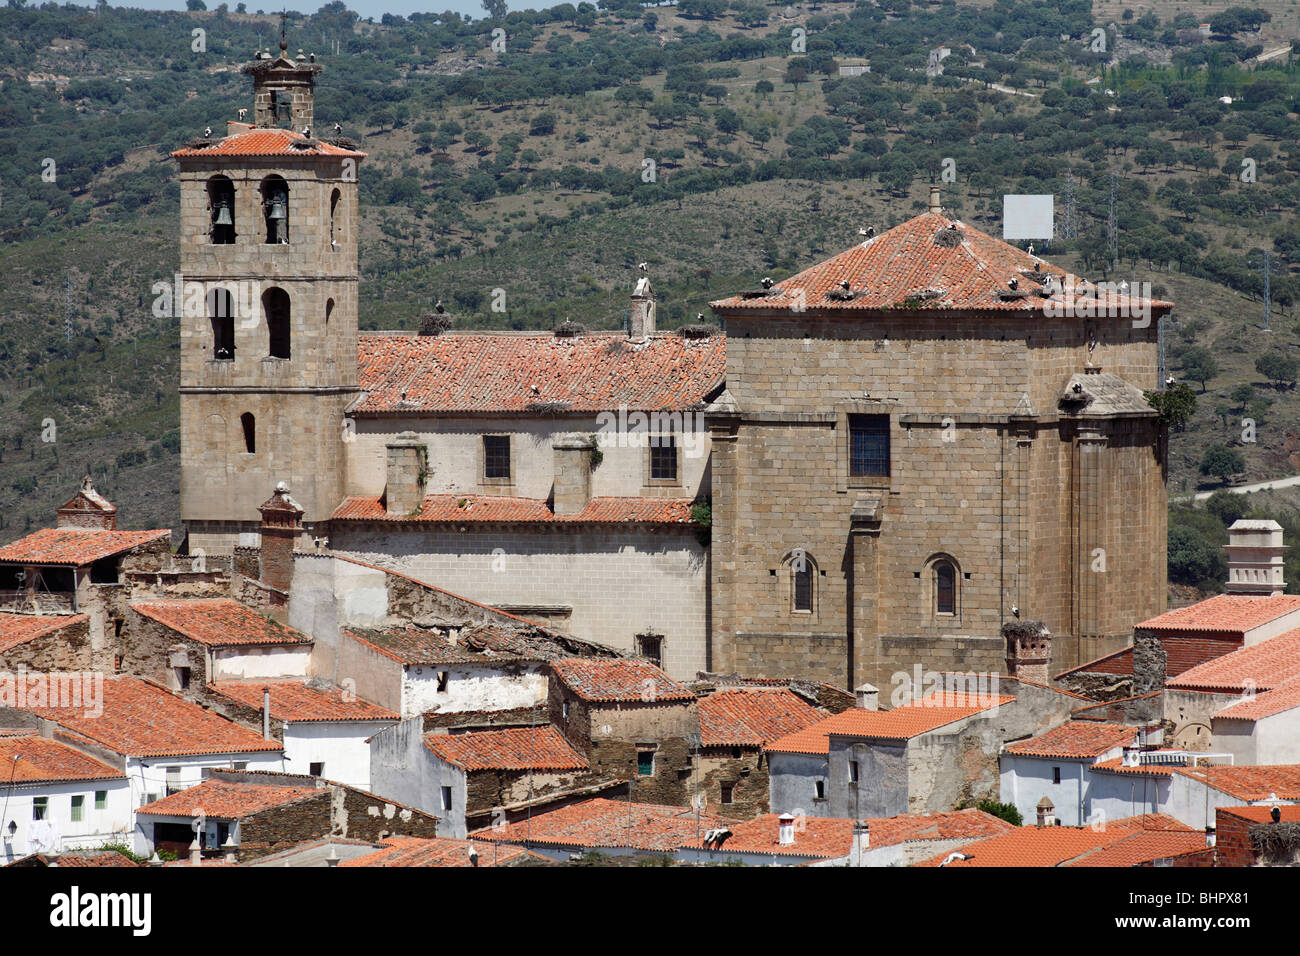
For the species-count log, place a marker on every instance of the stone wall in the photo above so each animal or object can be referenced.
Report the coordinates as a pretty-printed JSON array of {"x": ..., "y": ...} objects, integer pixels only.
[
  {"x": 65, "y": 649},
  {"x": 747, "y": 774}
]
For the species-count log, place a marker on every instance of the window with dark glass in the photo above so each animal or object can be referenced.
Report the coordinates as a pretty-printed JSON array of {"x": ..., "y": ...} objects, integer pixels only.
[
  {"x": 496, "y": 456},
  {"x": 945, "y": 588},
  {"x": 803, "y": 586},
  {"x": 663, "y": 458},
  {"x": 645, "y": 762},
  {"x": 869, "y": 446},
  {"x": 276, "y": 307},
  {"x": 650, "y": 646}
]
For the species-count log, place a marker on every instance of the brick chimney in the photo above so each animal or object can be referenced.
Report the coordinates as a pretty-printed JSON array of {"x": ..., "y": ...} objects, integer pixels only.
[
  {"x": 281, "y": 527},
  {"x": 642, "y": 324},
  {"x": 572, "y": 472},
  {"x": 87, "y": 509},
  {"x": 1029, "y": 650},
  {"x": 1255, "y": 550},
  {"x": 407, "y": 464}
]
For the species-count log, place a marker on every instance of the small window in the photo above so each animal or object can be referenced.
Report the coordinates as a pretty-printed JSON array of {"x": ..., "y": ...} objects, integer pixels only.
[
  {"x": 446, "y": 798},
  {"x": 316, "y": 769},
  {"x": 735, "y": 753},
  {"x": 221, "y": 315},
  {"x": 853, "y": 771},
  {"x": 945, "y": 588},
  {"x": 564, "y": 709},
  {"x": 663, "y": 458},
  {"x": 78, "y": 807},
  {"x": 277, "y": 310},
  {"x": 1056, "y": 775},
  {"x": 496, "y": 457},
  {"x": 645, "y": 761},
  {"x": 650, "y": 646},
  {"x": 40, "y": 807},
  {"x": 173, "y": 782},
  {"x": 728, "y": 793},
  {"x": 869, "y": 446},
  {"x": 819, "y": 789},
  {"x": 803, "y": 586},
  {"x": 183, "y": 678},
  {"x": 334, "y": 218},
  {"x": 101, "y": 799},
  {"x": 249, "y": 424},
  {"x": 241, "y": 765},
  {"x": 443, "y": 677}
]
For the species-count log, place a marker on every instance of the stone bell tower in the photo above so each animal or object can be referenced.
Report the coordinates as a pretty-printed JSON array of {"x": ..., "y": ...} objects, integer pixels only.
[{"x": 267, "y": 300}]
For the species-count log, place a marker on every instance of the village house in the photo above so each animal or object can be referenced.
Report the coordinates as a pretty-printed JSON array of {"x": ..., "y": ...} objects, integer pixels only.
[
  {"x": 244, "y": 816},
  {"x": 78, "y": 859},
  {"x": 440, "y": 852},
  {"x": 45, "y": 642},
  {"x": 56, "y": 798},
  {"x": 1251, "y": 836}
]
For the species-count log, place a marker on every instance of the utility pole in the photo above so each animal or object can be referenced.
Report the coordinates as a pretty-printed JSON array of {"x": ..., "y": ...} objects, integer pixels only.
[
  {"x": 1268, "y": 269},
  {"x": 67, "y": 308},
  {"x": 1112, "y": 223},
  {"x": 1069, "y": 223}
]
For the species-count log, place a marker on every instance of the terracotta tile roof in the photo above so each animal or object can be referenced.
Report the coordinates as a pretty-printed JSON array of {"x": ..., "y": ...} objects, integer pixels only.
[
  {"x": 1078, "y": 738},
  {"x": 262, "y": 141},
  {"x": 1032, "y": 846},
  {"x": 831, "y": 838},
  {"x": 224, "y": 800},
  {"x": 219, "y": 622},
  {"x": 1250, "y": 782},
  {"x": 409, "y": 374},
  {"x": 1116, "y": 765},
  {"x": 438, "y": 851},
  {"x": 1149, "y": 821},
  {"x": 601, "y": 822},
  {"x": 1262, "y": 813},
  {"x": 1260, "y": 666},
  {"x": 76, "y": 547},
  {"x": 296, "y": 701},
  {"x": 1116, "y": 662},
  {"x": 1235, "y": 613},
  {"x": 618, "y": 680},
  {"x": 16, "y": 629},
  {"x": 464, "y": 509},
  {"x": 79, "y": 858},
  {"x": 736, "y": 718},
  {"x": 1283, "y": 697},
  {"x": 43, "y": 760},
  {"x": 907, "y": 263},
  {"x": 410, "y": 644},
  {"x": 901, "y": 723},
  {"x": 141, "y": 719},
  {"x": 1143, "y": 847},
  {"x": 516, "y": 748}
]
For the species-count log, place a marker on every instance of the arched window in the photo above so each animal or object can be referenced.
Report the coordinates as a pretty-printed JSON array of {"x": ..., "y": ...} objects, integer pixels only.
[
  {"x": 275, "y": 306},
  {"x": 335, "y": 225},
  {"x": 942, "y": 577},
  {"x": 945, "y": 588},
  {"x": 221, "y": 210},
  {"x": 275, "y": 209},
  {"x": 249, "y": 424},
  {"x": 803, "y": 581},
  {"x": 221, "y": 313},
  {"x": 329, "y": 310}
]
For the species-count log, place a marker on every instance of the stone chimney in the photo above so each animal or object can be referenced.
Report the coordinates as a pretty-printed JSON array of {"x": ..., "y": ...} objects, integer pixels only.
[
  {"x": 935, "y": 205},
  {"x": 281, "y": 527},
  {"x": 868, "y": 696},
  {"x": 1255, "y": 552},
  {"x": 1046, "y": 812},
  {"x": 861, "y": 841},
  {"x": 785, "y": 829},
  {"x": 642, "y": 323},
  {"x": 88, "y": 509},
  {"x": 196, "y": 852},
  {"x": 573, "y": 453},
  {"x": 266, "y": 713},
  {"x": 407, "y": 473},
  {"x": 232, "y": 856},
  {"x": 1029, "y": 650}
]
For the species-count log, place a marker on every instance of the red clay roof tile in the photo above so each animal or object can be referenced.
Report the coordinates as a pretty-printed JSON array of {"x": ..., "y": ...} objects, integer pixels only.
[
  {"x": 16, "y": 629},
  {"x": 516, "y": 748},
  {"x": 1259, "y": 667},
  {"x": 604, "y": 681},
  {"x": 1235, "y": 613},
  {"x": 438, "y": 851},
  {"x": 736, "y": 718},
  {"x": 901, "y": 723},
  {"x": 75, "y": 547},
  {"x": 263, "y": 141},
  {"x": 832, "y": 838},
  {"x": 1078, "y": 738},
  {"x": 601, "y": 822},
  {"x": 297, "y": 702},
  {"x": 467, "y": 509},
  {"x": 1250, "y": 782},
  {"x": 41, "y": 759},
  {"x": 224, "y": 800},
  {"x": 219, "y": 622}
]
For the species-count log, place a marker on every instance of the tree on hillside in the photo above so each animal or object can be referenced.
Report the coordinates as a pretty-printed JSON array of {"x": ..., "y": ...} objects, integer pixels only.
[
  {"x": 1175, "y": 405},
  {"x": 1222, "y": 462},
  {"x": 1278, "y": 369},
  {"x": 496, "y": 9},
  {"x": 1227, "y": 507},
  {"x": 1199, "y": 365}
]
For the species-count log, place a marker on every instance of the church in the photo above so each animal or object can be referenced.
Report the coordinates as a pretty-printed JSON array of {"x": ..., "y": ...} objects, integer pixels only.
[{"x": 883, "y": 460}]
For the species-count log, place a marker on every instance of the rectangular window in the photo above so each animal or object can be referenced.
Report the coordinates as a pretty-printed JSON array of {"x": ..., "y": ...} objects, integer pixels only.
[
  {"x": 496, "y": 457},
  {"x": 316, "y": 769},
  {"x": 183, "y": 678},
  {"x": 803, "y": 587},
  {"x": 174, "y": 780},
  {"x": 853, "y": 771},
  {"x": 241, "y": 765},
  {"x": 78, "y": 807},
  {"x": 101, "y": 799},
  {"x": 446, "y": 798},
  {"x": 728, "y": 792},
  {"x": 650, "y": 646},
  {"x": 663, "y": 458},
  {"x": 645, "y": 761},
  {"x": 442, "y": 680},
  {"x": 40, "y": 807},
  {"x": 1056, "y": 775},
  {"x": 564, "y": 709},
  {"x": 819, "y": 790},
  {"x": 869, "y": 446}
]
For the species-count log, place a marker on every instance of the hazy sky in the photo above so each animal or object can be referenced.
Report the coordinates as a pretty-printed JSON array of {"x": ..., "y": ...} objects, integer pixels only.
[{"x": 366, "y": 8}]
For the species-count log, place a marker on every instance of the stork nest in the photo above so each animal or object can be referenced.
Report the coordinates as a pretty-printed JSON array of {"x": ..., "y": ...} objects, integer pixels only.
[
  {"x": 1276, "y": 842},
  {"x": 761, "y": 293},
  {"x": 200, "y": 142},
  {"x": 342, "y": 142},
  {"x": 548, "y": 408},
  {"x": 1023, "y": 629},
  {"x": 842, "y": 295},
  {"x": 434, "y": 323},
  {"x": 307, "y": 143},
  {"x": 569, "y": 329},
  {"x": 698, "y": 330},
  {"x": 948, "y": 238}
]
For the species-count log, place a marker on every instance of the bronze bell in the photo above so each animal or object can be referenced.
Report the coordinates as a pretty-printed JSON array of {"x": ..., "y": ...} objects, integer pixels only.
[
  {"x": 276, "y": 208},
  {"x": 223, "y": 215}
]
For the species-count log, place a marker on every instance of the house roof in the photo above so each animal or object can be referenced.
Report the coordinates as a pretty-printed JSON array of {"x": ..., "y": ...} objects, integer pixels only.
[
  {"x": 1262, "y": 813},
  {"x": 1283, "y": 697},
  {"x": 219, "y": 622},
  {"x": 469, "y": 509},
  {"x": 263, "y": 141},
  {"x": 411, "y": 644},
  {"x": 75, "y": 547},
  {"x": 752, "y": 717},
  {"x": 77, "y": 858},
  {"x": 1143, "y": 847},
  {"x": 1077, "y": 739},
  {"x": 141, "y": 719},
  {"x": 1250, "y": 782},
  {"x": 407, "y": 374},
  {"x": 606, "y": 681},
  {"x": 900, "y": 723},
  {"x": 514, "y": 748},
  {"x": 600, "y": 822},
  {"x": 1235, "y": 613},
  {"x": 929, "y": 263},
  {"x": 224, "y": 800},
  {"x": 1127, "y": 842},
  {"x": 16, "y": 629},
  {"x": 437, "y": 851},
  {"x": 1116, "y": 765},
  {"x": 1259, "y": 667},
  {"x": 42, "y": 760},
  {"x": 832, "y": 838},
  {"x": 299, "y": 702}
]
